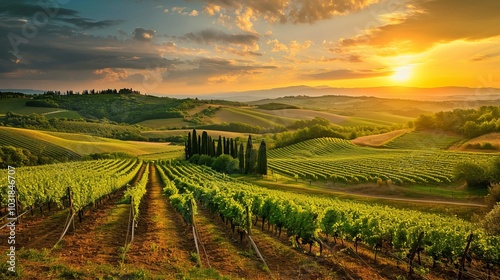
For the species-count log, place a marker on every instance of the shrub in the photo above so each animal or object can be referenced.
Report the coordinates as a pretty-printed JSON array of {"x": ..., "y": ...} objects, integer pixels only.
[
  {"x": 493, "y": 196},
  {"x": 491, "y": 222}
]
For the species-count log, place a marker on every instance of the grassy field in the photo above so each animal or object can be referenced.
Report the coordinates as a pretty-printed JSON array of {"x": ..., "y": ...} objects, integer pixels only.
[
  {"x": 184, "y": 132},
  {"x": 491, "y": 138},
  {"x": 79, "y": 144},
  {"x": 379, "y": 139},
  {"x": 423, "y": 140},
  {"x": 17, "y": 105},
  {"x": 165, "y": 123},
  {"x": 250, "y": 117}
]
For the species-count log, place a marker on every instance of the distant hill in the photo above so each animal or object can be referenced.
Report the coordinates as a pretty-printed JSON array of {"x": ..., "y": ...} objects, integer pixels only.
[{"x": 436, "y": 94}]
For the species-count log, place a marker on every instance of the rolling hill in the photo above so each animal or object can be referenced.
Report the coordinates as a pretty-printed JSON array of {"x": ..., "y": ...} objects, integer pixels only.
[{"x": 75, "y": 146}]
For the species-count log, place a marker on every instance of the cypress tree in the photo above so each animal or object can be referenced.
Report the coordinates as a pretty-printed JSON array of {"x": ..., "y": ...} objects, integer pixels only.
[
  {"x": 189, "y": 148},
  {"x": 199, "y": 144},
  {"x": 204, "y": 143},
  {"x": 249, "y": 162},
  {"x": 241, "y": 157},
  {"x": 225, "y": 145},
  {"x": 212, "y": 154},
  {"x": 219, "y": 146},
  {"x": 262, "y": 159},
  {"x": 194, "y": 150},
  {"x": 186, "y": 153},
  {"x": 231, "y": 147}
]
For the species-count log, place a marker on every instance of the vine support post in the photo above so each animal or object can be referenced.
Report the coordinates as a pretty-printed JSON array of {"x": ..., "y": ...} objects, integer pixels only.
[
  {"x": 132, "y": 211},
  {"x": 191, "y": 205},
  {"x": 70, "y": 205},
  {"x": 464, "y": 255},
  {"x": 249, "y": 220},
  {"x": 414, "y": 251},
  {"x": 18, "y": 208}
]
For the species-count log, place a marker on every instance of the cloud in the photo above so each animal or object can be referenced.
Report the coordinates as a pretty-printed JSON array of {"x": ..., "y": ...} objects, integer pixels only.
[
  {"x": 431, "y": 22},
  {"x": 295, "y": 11},
  {"x": 215, "y": 70},
  {"x": 488, "y": 56},
  {"x": 210, "y": 36},
  {"x": 344, "y": 74},
  {"x": 51, "y": 15},
  {"x": 142, "y": 34},
  {"x": 291, "y": 49}
]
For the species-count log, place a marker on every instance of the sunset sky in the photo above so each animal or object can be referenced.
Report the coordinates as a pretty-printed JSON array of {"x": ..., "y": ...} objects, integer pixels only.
[{"x": 237, "y": 45}]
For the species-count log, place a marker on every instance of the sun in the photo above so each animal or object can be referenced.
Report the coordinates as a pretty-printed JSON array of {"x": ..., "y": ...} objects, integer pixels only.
[{"x": 402, "y": 73}]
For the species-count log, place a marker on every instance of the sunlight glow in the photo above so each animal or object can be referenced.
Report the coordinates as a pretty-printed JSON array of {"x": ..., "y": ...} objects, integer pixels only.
[{"x": 402, "y": 73}]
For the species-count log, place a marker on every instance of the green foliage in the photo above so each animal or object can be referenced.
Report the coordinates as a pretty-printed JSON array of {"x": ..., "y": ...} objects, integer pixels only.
[
  {"x": 308, "y": 123},
  {"x": 316, "y": 131},
  {"x": 89, "y": 181},
  {"x": 493, "y": 196},
  {"x": 422, "y": 140},
  {"x": 221, "y": 162},
  {"x": 127, "y": 106},
  {"x": 345, "y": 162},
  {"x": 138, "y": 191},
  {"x": 250, "y": 156},
  {"x": 206, "y": 160},
  {"x": 491, "y": 222},
  {"x": 276, "y": 106},
  {"x": 468, "y": 122},
  {"x": 474, "y": 174},
  {"x": 262, "y": 159},
  {"x": 306, "y": 216}
]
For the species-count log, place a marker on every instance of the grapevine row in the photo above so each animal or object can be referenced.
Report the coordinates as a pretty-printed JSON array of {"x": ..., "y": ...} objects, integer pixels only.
[{"x": 308, "y": 217}]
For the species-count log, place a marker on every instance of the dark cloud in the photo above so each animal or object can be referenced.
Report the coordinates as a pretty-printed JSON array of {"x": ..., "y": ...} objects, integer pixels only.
[
  {"x": 209, "y": 36},
  {"x": 144, "y": 35},
  {"x": 345, "y": 74},
  {"x": 206, "y": 69},
  {"x": 432, "y": 22},
  {"x": 296, "y": 11},
  {"x": 482, "y": 57}
]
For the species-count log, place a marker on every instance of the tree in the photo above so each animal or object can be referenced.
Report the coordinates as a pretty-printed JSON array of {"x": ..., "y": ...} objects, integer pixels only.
[
  {"x": 249, "y": 158},
  {"x": 221, "y": 162},
  {"x": 474, "y": 174},
  {"x": 219, "y": 146},
  {"x": 491, "y": 222},
  {"x": 231, "y": 147},
  {"x": 241, "y": 158},
  {"x": 199, "y": 144},
  {"x": 262, "y": 159},
  {"x": 493, "y": 196},
  {"x": 194, "y": 149},
  {"x": 189, "y": 148},
  {"x": 204, "y": 143}
]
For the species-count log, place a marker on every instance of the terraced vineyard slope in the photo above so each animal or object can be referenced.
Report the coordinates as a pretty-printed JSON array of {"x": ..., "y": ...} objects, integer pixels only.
[{"x": 341, "y": 161}]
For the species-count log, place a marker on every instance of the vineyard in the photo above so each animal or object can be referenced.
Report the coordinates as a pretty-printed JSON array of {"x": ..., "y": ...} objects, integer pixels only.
[
  {"x": 341, "y": 161},
  {"x": 250, "y": 221},
  {"x": 312, "y": 220}
]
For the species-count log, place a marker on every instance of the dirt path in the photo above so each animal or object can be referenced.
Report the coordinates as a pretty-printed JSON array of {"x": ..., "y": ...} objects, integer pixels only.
[
  {"x": 162, "y": 241},
  {"x": 48, "y": 227},
  {"x": 99, "y": 238},
  {"x": 225, "y": 253}
]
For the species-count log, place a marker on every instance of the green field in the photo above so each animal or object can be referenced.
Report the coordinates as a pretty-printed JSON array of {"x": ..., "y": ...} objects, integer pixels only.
[
  {"x": 165, "y": 123},
  {"x": 423, "y": 140},
  {"x": 341, "y": 161},
  {"x": 17, "y": 105},
  {"x": 76, "y": 145}
]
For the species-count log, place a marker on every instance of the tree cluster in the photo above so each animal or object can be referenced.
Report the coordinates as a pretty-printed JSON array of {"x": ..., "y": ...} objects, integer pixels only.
[
  {"x": 224, "y": 154},
  {"x": 21, "y": 157},
  {"x": 468, "y": 122},
  {"x": 479, "y": 175}
]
